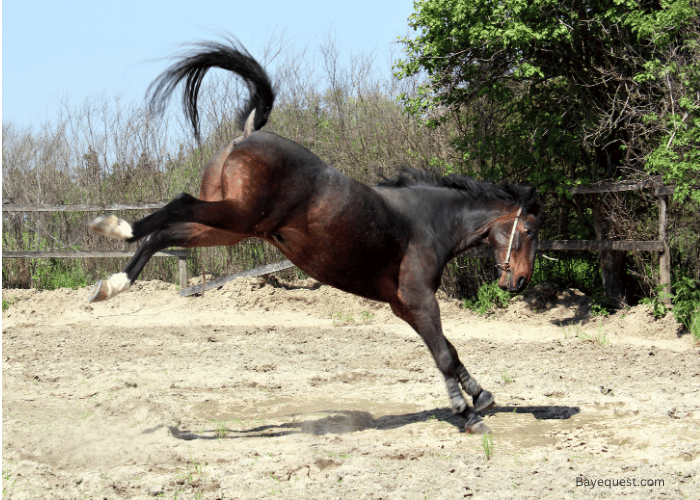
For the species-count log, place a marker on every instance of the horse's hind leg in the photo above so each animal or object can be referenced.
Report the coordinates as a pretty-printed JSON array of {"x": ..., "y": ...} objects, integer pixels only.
[
  {"x": 228, "y": 215},
  {"x": 114, "y": 227},
  {"x": 183, "y": 235}
]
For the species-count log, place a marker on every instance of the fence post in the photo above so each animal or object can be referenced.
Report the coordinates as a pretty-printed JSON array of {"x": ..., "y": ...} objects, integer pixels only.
[
  {"x": 182, "y": 268},
  {"x": 665, "y": 256}
]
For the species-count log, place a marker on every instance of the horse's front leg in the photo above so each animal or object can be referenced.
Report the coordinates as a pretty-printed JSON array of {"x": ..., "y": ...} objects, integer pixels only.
[
  {"x": 421, "y": 311},
  {"x": 481, "y": 398}
]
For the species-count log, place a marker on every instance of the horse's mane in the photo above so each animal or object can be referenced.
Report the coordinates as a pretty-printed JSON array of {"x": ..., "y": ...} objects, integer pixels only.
[{"x": 506, "y": 192}]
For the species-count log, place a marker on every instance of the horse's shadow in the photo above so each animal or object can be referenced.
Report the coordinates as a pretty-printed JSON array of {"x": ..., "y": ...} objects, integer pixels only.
[{"x": 342, "y": 422}]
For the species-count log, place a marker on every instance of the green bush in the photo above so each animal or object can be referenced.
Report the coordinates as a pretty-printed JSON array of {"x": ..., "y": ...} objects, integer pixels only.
[
  {"x": 686, "y": 303},
  {"x": 489, "y": 297},
  {"x": 573, "y": 270},
  {"x": 51, "y": 274}
]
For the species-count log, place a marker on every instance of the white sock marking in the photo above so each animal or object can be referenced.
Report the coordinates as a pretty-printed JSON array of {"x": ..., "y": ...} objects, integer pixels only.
[{"x": 112, "y": 226}]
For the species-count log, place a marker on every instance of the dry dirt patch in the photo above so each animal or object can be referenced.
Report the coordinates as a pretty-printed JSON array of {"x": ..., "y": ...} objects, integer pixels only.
[{"x": 302, "y": 391}]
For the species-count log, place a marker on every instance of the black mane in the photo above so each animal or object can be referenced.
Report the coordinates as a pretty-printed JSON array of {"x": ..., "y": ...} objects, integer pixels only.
[{"x": 506, "y": 192}]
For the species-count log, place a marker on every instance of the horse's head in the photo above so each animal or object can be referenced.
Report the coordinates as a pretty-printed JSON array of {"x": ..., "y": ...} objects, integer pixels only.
[{"x": 513, "y": 237}]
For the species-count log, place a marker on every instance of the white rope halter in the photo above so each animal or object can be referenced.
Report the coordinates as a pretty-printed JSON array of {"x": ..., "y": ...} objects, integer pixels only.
[{"x": 505, "y": 266}]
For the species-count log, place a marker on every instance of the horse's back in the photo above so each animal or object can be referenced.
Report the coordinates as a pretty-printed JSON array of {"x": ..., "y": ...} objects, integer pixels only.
[{"x": 338, "y": 230}]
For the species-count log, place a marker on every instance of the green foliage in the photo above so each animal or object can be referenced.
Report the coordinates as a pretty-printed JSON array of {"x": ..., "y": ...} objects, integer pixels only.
[
  {"x": 489, "y": 297},
  {"x": 686, "y": 304},
  {"x": 680, "y": 163},
  {"x": 527, "y": 64},
  {"x": 598, "y": 304},
  {"x": 694, "y": 325},
  {"x": 573, "y": 270},
  {"x": 51, "y": 274},
  {"x": 656, "y": 302}
]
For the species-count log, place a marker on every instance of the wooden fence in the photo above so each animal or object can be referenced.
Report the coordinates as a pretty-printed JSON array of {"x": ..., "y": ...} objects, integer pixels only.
[
  {"x": 660, "y": 246},
  {"x": 180, "y": 254}
]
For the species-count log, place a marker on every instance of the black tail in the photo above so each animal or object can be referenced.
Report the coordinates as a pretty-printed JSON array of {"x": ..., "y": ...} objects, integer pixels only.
[{"x": 193, "y": 66}]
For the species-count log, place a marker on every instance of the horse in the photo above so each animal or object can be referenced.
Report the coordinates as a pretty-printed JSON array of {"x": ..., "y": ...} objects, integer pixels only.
[{"x": 389, "y": 242}]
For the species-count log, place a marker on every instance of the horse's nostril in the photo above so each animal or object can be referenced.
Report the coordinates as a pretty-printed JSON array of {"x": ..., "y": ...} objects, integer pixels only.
[{"x": 521, "y": 283}]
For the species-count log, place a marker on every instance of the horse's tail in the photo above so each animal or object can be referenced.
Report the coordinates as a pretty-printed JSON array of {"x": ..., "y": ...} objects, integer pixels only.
[{"x": 193, "y": 65}]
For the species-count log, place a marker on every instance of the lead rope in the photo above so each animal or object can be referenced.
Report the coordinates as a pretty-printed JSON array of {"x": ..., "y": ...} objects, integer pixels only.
[{"x": 505, "y": 267}]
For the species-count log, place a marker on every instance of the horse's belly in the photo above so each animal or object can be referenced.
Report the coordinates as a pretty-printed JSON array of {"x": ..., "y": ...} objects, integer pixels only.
[{"x": 356, "y": 267}]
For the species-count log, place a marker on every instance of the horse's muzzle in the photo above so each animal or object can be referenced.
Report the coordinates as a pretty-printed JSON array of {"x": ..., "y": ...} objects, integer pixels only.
[{"x": 512, "y": 286}]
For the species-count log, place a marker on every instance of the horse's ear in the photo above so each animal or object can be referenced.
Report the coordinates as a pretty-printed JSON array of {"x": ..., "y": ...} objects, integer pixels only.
[
  {"x": 531, "y": 196},
  {"x": 249, "y": 127},
  {"x": 532, "y": 202}
]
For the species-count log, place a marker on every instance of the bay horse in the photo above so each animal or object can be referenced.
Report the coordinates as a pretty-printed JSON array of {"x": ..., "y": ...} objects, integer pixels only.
[{"x": 389, "y": 242}]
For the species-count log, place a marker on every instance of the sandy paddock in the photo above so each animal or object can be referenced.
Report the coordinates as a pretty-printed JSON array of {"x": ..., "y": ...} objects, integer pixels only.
[{"x": 301, "y": 391}]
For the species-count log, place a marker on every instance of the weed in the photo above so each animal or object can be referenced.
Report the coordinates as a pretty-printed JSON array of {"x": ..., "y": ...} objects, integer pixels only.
[
  {"x": 196, "y": 467},
  {"x": 367, "y": 315},
  {"x": 487, "y": 445},
  {"x": 6, "y": 482},
  {"x": 340, "y": 318},
  {"x": 221, "y": 430},
  {"x": 507, "y": 379},
  {"x": 600, "y": 338}
]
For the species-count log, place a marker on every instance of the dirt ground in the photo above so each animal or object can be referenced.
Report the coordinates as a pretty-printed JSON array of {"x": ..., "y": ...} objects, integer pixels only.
[{"x": 295, "y": 390}]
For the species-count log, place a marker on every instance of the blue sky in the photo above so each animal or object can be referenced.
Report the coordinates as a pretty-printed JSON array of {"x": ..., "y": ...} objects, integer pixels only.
[{"x": 71, "y": 50}]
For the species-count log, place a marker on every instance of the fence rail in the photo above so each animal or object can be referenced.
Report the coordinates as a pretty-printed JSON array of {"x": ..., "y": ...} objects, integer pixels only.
[
  {"x": 64, "y": 254},
  {"x": 82, "y": 208},
  {"x": 180, "y": 254}
]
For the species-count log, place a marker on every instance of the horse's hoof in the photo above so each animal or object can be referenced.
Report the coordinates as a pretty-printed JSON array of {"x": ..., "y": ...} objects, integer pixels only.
[
  {"x": 478, "y": 428},
  {"x": 99, "y": 293},
  {"x": 112, "y": 226},
  {"x": 106, "y": 289},
  {"x": 483, "y": 401},
  {"x": 459, "y": 405}
]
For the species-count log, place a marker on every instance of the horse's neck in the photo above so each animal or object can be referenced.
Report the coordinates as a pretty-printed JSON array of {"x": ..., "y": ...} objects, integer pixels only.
[{"x": 478, "y": 219}]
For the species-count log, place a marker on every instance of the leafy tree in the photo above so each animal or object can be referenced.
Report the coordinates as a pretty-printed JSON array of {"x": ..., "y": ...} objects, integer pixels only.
[{"x": 562, "y": 94}]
